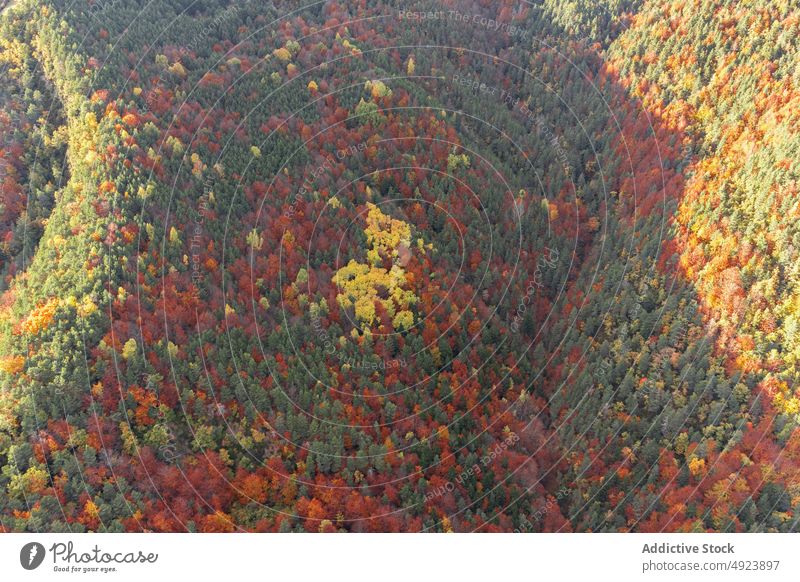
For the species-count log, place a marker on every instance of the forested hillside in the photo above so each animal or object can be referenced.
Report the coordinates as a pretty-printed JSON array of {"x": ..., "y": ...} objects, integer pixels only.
[{"x": 377, "y": 265}]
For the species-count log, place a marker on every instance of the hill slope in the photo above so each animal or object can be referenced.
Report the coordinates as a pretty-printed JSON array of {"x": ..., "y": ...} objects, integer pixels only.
[{"x": 366, "y": 266}]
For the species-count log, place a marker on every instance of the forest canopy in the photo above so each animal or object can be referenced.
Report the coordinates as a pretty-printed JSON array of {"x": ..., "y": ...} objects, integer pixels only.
[{"x": 372, "y": 265}]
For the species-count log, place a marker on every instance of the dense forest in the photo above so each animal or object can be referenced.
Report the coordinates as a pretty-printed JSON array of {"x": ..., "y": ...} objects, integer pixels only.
[{"x": 391, "y": 266}]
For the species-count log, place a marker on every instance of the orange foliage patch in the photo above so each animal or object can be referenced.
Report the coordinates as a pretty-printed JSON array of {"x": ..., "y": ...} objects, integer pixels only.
[{"x": 39, "y": 319}]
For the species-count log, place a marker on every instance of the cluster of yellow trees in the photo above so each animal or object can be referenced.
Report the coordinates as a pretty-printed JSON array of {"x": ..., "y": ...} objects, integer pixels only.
[{"x": 364, "y": 284}]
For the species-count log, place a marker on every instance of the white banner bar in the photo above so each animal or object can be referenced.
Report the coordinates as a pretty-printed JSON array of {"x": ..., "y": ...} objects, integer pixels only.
[{"x": 348, "y": 557}]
